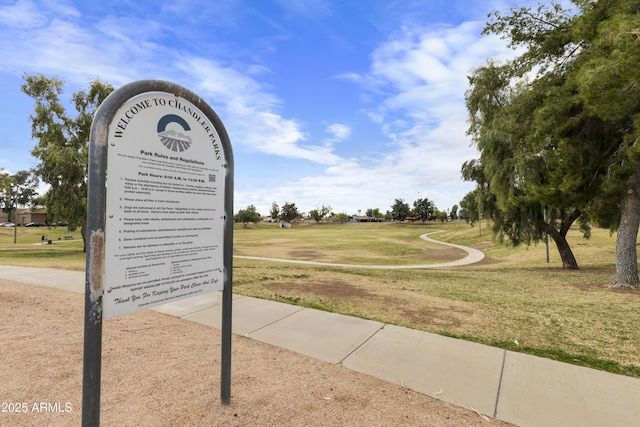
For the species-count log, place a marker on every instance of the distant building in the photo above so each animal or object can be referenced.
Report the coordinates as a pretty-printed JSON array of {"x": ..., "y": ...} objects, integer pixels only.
[
  {"x": 364, "y": 218},
  {"x": 25, "y": 216}
]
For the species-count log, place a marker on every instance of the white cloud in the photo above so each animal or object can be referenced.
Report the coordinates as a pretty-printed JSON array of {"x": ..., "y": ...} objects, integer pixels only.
[
  {"x": 119, "y": 51},
  {"x": 416, "y": 84},
  {"x": 273, "y": 134},
  {"x": 62, "y": 47},
  {"x": 251, "y": 112},
  {"x": 423, "y": 72},
  {"x": 226, "y": 84},
  {"x": 22, "y": 14},
  {"x": 60, "y": 8},
  {"x": 338, "y": 131}
]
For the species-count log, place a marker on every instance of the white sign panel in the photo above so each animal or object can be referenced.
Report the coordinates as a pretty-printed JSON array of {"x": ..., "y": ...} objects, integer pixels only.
[{"x": 165, "y": 205}]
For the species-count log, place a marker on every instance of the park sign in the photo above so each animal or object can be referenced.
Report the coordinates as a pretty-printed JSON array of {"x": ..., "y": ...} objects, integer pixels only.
[
  {"x": 165, "y": 204},
  {"x": 159, "y": 214}
]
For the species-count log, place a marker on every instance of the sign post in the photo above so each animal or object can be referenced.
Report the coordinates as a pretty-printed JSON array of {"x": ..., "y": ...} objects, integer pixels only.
[{"x": 159, "y": 216}]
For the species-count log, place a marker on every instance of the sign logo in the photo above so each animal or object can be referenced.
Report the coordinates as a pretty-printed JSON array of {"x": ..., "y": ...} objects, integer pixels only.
[{"x": 174, "y": 140}]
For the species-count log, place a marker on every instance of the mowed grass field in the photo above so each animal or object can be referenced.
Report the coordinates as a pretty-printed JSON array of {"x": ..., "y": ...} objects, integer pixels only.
[
  {"x": 30, "y": 250},
  {"x": 513, "y": 299}
]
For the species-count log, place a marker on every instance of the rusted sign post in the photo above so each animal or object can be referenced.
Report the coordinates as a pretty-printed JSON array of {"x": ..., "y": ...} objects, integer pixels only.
[{"x": 159, "y": 215}]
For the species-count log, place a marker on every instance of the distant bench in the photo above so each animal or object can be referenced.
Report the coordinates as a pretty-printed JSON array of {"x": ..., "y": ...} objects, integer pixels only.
[{"x": 68, "y": 237}]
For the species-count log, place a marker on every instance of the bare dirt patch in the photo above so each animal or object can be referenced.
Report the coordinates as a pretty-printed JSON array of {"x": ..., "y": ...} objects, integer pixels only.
[
  {"x": 588, "y": 287},
  {"x": 329, "y": 289},
  {"x": 410, "y": 313},
  {"x": 159, "y": 370},
  {"x": 591, "y": 287},
  {"x": 481, "y": 246},
  {"x": 444, "y": 254},
  {"x": 449, "y": 318},
  {"x": 485, "y": 261},
  {"x": 307, "y": 255}
]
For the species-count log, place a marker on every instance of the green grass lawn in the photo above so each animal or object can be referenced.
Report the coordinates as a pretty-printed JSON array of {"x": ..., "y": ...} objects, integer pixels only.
[
  {"x": 513, "y": 299},
  {"x": 31, "y": 251}
]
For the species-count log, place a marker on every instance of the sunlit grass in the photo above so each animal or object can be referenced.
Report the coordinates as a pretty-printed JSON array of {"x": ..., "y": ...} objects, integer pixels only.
[
  {"x": 514, "y": 299},
  {"x": 363, "y": 244},
  {"x": 30, "y": 250}
]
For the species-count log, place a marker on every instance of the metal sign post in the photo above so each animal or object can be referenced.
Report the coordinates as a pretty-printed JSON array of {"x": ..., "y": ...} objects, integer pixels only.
[{"x": 159, "y": 215}]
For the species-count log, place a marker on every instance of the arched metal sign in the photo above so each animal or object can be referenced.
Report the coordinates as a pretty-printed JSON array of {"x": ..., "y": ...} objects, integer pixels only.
[{"x": 160, "y": 214}]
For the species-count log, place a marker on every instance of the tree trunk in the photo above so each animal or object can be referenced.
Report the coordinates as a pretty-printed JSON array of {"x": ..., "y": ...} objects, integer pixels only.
[
  {"x": 83, "y": 232},
  {"x": 626, "y": 253},
  {"x": 566, "y": 254},
  {"x": 560, "y": 238}
]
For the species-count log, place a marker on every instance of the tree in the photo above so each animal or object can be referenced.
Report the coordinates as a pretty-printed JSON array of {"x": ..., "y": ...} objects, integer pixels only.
[
  {"x": 5, "y": 192},
  {"x": 439, "y": 215},
  {"x": 607, "y": 85},
  {"x": 7, "y": 197},
  {"x": 289, "y": 212},
  {"x": 342, "y": 217},
  {"x": 17, "y": 190},
  {"x": 479, "y": 203},
  {"x": 25, "y": 186},
  {"x": 62, "y": 145},
  {"x": 247, "y": 215},
  {"x": 424, "y": 209},
  {"x": 469, "y": 210},
  {"x": 593, "y": 57},
  {"x": 374, "y": 213},
  {"x": 275, "y": 211},
  {"x": 318, "y": 214},
  {"x": 400, "y": 210},
  {"x": 527, "y": 171},
  {"x": 561, "y": 138},
  {"x": 454, "y": 212}
]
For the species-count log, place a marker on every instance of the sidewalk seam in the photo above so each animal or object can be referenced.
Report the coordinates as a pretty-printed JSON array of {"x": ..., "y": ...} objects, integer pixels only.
[
  {"x": 360, "y": 345},
  {"x": 274, "y": 322},
  {"x": 504, "y": 360}
]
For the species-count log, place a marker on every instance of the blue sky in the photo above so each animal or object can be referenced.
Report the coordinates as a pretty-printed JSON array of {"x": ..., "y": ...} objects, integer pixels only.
[{"x": 345, "y": 103}]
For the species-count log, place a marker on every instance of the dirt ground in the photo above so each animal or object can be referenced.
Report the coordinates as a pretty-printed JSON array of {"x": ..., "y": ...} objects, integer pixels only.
[{"x": 159, "y": 370}]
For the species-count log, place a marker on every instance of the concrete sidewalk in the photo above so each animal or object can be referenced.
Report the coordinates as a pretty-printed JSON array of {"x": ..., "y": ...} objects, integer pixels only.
[{"x": 517, "y": 388}]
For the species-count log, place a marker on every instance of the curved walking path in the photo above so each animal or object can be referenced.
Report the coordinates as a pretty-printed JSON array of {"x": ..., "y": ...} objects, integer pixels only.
[{"x": 474, "y": 255}]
